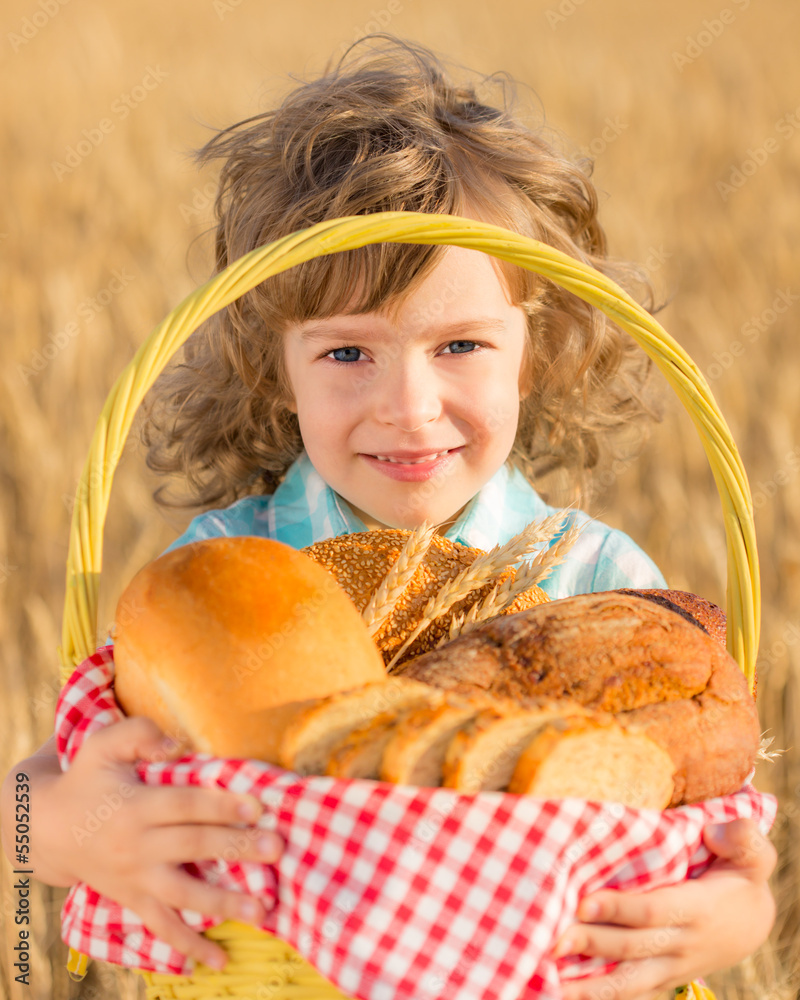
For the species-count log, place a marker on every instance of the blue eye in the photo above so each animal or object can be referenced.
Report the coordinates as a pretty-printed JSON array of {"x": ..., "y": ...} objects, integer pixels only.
[
  {"x": 351, "y": 353},
  {"x": 461, "y": 346}
]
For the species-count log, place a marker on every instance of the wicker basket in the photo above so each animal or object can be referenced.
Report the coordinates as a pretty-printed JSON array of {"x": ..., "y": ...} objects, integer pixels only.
[{"x": 258, "y": 959}]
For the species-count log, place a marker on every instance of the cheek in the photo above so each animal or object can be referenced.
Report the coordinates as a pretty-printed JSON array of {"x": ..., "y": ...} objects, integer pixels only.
[
  {"x": 493, "y": 403},
  {"x": 324, "y": 415}
]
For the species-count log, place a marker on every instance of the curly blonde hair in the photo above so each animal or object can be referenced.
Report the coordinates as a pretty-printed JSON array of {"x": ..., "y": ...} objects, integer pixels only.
[{"x": 386, "y": 128}]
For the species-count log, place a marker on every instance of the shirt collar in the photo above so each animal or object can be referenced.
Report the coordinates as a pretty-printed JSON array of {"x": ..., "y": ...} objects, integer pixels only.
[
  {"x": 307, "y": 510},
  {"x": 498, "y": 511}
]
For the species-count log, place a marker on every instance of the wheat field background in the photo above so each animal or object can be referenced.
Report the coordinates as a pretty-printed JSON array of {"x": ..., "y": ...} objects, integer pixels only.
[{"x": 691, "y": 111}]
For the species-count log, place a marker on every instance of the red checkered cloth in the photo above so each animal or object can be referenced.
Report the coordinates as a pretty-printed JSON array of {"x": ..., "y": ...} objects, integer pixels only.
[{"x": 401, "y": 892}]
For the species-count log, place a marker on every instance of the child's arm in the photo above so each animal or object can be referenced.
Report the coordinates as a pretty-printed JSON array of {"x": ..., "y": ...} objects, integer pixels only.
[
  {"x": 97, "y": 823},
  {"x": 667, "y": 937}
]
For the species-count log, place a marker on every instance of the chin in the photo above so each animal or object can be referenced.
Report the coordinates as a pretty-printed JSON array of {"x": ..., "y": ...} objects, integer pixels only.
[{"x": 410, "y": 519}]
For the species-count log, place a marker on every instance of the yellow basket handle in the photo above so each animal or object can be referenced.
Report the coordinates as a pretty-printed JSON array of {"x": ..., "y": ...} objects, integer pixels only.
[{"x": 85, "y": 559}]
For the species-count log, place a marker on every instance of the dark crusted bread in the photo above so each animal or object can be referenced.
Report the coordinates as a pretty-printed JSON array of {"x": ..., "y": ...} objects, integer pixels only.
[
  {"x": 415, "y": 753},
  {"x": 708, "y": 616},
  {"x": 712, "y": 738},
  {"x": 617, "y": 653}
]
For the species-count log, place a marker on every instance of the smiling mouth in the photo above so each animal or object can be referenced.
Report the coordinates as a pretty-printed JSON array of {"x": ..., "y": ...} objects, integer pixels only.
[{"x": 415, "y": 461}]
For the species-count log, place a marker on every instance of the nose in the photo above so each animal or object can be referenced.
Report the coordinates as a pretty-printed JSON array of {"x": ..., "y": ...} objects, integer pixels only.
[{"x": 407, "y": 396}]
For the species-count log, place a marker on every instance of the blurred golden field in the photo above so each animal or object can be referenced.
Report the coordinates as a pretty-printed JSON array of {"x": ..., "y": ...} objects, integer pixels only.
[{"x": 691, "y": 111}]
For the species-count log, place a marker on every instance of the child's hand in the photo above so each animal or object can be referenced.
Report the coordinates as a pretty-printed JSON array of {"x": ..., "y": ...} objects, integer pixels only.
[
  {"x": 144, "y": 834},
  {"x": 667, "y": 937}
]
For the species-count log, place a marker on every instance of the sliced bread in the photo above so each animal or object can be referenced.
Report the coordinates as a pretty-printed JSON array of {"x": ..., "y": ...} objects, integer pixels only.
[
  {"x": 314, "y": 732},
  {"x": 595, "y": 758},
  {"x": 415, "y": 752},
  {"x": 484, "y": 752},
  {"x": 359, "y": 753}
]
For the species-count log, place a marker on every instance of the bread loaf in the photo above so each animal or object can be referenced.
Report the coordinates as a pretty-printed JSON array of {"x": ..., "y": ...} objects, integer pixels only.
[
  {"x": 617, "y": 653},
  {"x": 706, "y": 615},
  {"x": 243, "y": 647},
  {"x": 475, "y": 742},
  {"x": 223, "y": 641},
  {"x": 415, "y": 752},
  {"x": 359, "y": 753},
  {"x": 360, "y": 562}
]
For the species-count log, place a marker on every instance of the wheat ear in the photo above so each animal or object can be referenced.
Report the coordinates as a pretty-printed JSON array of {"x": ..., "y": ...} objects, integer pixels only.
[
  {"x": 394, "y": 584},
  {"x": 483, "y": 569},
  {"x": 528, "y": 574},
  {"x": 764, "y": 752}
]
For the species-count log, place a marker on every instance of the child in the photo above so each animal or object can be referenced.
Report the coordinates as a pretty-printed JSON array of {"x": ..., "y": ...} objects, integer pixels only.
[{"x": 384, "y": 387}]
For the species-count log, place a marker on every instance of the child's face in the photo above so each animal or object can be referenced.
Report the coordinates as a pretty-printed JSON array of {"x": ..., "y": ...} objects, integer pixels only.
[{"x": 439, "y": 373}]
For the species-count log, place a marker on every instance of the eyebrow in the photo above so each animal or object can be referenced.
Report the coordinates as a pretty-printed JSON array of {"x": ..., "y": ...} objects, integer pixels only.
[{"x": 486, "y": 324}]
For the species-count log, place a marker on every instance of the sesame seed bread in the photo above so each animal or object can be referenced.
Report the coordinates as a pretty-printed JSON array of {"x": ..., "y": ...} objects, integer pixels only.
[{"x": 359, "y": 563}]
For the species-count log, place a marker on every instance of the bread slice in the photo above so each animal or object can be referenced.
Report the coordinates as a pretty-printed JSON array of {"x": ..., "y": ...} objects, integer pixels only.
[
  {"x": 415, "y": 751},
  {"x": 315, "y": 731},
  {"x": 595, "y": 758},
  {"x": 483, "y": 754},
  {"x": 360, "y": 752}
]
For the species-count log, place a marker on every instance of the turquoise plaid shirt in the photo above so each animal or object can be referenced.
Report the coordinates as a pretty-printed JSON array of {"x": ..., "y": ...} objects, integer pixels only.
[{"x": 304, "y": 510}]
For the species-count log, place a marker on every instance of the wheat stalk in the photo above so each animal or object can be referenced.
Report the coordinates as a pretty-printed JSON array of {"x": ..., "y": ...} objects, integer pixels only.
[
  {"x": 504, "y": 594},
  {"x": 463, "y": 622},
  {"x": 483, "y": 569},
  {"x": 764, "y": 752},
  {"x": 394, "y": 584}
]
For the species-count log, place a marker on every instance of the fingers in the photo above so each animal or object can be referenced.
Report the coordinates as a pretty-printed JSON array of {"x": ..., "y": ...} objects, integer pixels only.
[
  {"x": 743, "y": 846},
  {"x": 171, "y": 805},
  {"x": 165, "y": 924},
  {"x": 127, "y": 741},
  {"x": 182, "y": 891},
  {"x": 198, "y": 842},
  {"x": 616, "y": 945},
  {"x": 139, "y": 738},
  {"x": 629, "y": 981},
  {"x": 665, "y": 907}
]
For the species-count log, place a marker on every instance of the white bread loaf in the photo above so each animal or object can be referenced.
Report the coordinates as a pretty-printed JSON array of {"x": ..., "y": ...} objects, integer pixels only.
[{"x": 222, "y": 642}]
